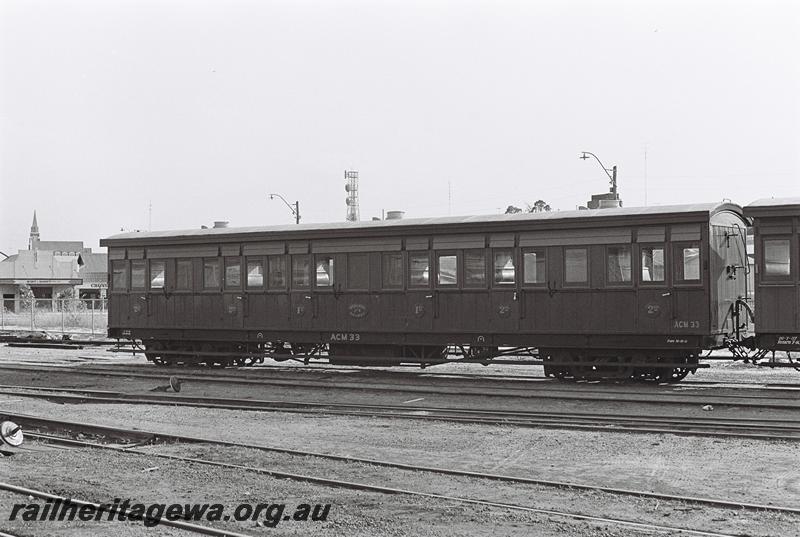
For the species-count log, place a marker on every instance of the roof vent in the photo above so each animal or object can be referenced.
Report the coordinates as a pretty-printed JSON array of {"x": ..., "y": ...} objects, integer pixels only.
[
  {"x": 395, "y": 215},
  {"x": 221, "y": 223}
]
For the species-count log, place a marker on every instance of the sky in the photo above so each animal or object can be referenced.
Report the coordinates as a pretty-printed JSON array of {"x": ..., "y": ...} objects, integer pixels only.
[{"x": 124, "y": 115}]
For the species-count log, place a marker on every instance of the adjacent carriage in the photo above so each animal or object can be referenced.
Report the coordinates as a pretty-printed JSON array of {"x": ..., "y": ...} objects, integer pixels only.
[
  {"x": 633, "y": 292},
  {"x": 776, "y": 233}
]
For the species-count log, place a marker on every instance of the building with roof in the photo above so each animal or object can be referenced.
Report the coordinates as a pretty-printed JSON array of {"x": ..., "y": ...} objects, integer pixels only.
[{"x": 52, "y": 269}]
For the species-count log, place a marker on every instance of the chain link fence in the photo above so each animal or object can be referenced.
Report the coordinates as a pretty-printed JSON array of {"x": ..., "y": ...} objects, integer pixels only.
[{"x": 64, "y": 315}]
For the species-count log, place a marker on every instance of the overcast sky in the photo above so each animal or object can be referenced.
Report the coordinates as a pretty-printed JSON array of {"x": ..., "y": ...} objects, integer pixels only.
[{"x": 203, "y": 108}]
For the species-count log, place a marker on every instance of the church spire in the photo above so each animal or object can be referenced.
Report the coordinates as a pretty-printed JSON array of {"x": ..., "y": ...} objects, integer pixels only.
[{"x": 34, "y": 238}]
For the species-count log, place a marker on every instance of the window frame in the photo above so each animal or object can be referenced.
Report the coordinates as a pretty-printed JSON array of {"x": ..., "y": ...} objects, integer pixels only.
[
  {"x": 309, "y": 263},
  {"x": 145, "y": 280},
  {"x": 606, "y": 252},
  {"x": 514, "y": 261},
  {"x": 779, "y": 278},
  {"x": 231, "y": 261},
  {"x": 282, "y": 259},
  {"x": 418, "y": 253},
  {"x": 127, "y": 276},
  {"x": 246, "y": 277},
  {"x": 150, "y": 264},
  {"x": 190, "y": 288},
  {"x": 220, "y": 275},
  {"x": 486, "y": 272},
  {"x": 403, "y": 271},
  {"x": 677, "y": 263},
  {"x": 534, "y": 250},
  {"x": 587, "y": 251},
  {"x": 640, "y": 267},
  {"x": 331, "y": 274},
  {"x": 437, "y": 257}
]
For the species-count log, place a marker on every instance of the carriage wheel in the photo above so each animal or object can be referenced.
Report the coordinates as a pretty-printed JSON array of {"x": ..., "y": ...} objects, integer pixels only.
[
  {"x": 677, "y": 374},
  {"x": 153, "y": 352}
]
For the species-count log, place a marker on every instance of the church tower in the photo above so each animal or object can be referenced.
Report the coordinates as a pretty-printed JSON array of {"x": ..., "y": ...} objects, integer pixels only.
[{"x": 33, "y": 241}]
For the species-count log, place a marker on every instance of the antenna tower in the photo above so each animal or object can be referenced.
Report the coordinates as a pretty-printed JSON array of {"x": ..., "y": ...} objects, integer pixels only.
[{"x": 351, "y": 187}]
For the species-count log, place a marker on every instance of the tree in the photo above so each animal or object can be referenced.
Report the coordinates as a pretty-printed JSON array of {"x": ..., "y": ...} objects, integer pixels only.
[{"x": 540, "y": 206}]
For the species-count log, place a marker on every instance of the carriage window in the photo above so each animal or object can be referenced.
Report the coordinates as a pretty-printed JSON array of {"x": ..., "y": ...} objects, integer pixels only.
[
  {"x": 137, "y": 274},
  {"x": 255, "y": 273},
  {"x": 618, "y": 263},
  {"x": 419, "y": 269},
  {"x": 475, "y": 268},
  {"x": 653, "y": 265},
  {"x": 504, "y": 272},
  {"x": 576, "y": 265},
  {"x": 301, "y": 273},
  {"x": 277, "y": 271},
  {"x": 392, "y": 271},
  {"x": 691, "y": 263},
  {"x": 211, "y": 275},
  {"x": 447, "y": 270},
  {"x": 324, "y": 271},
  {"x": 119, "y": 280},
  {"x": 777, "y": 260},
  {"x": 233, "y": 273},
  {"x": 157, "y": 272},
  {"x": 534, "y": 267},
  {"x": 183, "y": 275}
]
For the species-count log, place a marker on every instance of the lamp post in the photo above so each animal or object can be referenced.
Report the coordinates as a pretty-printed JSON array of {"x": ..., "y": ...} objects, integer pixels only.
[
  {"x": 294, "y": 207},
  {"x": 611, "y": 176}
]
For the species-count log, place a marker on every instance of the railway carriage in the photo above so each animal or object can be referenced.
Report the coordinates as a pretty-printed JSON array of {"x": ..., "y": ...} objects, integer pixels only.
[
  {"x": 628, "y": 292},
  {"x": 776, "y": 232}
]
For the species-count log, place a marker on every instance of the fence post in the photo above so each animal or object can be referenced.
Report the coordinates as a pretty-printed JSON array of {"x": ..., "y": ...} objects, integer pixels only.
[{"x": 62, "y": 318}]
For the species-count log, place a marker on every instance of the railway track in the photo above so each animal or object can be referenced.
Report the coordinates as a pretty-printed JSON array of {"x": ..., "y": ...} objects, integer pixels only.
[
  {"x": 787, "y": 400},
  {"x": 140, "y": 437},
  {"x": 739, "y": 427}
]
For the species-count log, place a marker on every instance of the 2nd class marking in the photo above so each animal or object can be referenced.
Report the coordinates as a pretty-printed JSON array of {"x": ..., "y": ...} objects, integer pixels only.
[{"x": 345, "y": 336}]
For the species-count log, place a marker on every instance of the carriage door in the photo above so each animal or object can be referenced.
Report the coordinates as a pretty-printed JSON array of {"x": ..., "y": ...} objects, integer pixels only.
[
  {"x": 690, "y": 299},
  {"x": 420, "y": 296},
  {"x": 504, "y": 310},
  {"x": 234, "y": 300},
  {"x": 255, "y": 299},
  {"x": 654, "y": 297},
  {"x": 302, "y": 304}
]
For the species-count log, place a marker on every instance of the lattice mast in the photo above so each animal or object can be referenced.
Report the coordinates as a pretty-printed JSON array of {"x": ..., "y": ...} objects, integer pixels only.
[{"x": 351, "y": 187}]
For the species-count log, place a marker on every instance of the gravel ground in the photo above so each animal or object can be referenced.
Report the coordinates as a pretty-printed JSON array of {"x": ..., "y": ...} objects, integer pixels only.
[
  {"x": 724, "y": 469},
  {"x": 733, "y": 469},
  {"x": 99, "y": 475}
]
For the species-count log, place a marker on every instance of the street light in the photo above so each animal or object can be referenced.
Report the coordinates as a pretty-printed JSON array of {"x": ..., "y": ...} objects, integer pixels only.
[
  {"x": 295, "y": 208},
  {"x": 611, "y": 176}
]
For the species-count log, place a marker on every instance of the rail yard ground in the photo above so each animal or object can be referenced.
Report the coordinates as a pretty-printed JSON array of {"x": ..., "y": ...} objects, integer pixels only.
[{"x": 746, "y": 470}]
